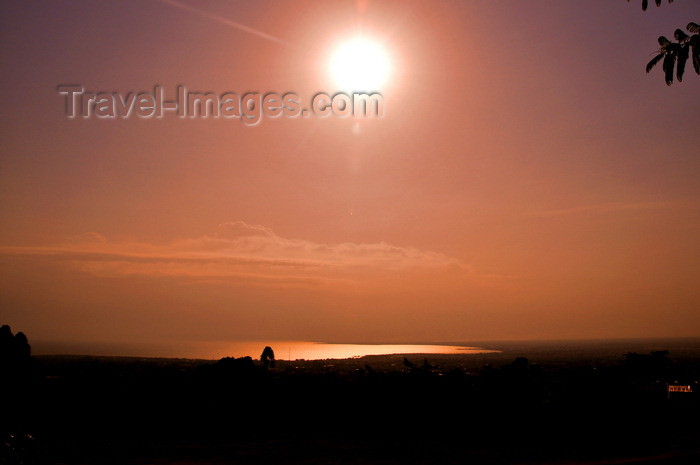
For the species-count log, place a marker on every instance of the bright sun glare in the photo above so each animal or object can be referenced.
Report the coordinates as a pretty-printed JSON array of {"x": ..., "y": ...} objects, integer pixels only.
[{"x": 359, "y": 65}]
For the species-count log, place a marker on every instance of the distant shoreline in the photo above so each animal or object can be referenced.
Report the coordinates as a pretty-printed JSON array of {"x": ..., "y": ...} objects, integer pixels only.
[{"x": 216, "y": 350}]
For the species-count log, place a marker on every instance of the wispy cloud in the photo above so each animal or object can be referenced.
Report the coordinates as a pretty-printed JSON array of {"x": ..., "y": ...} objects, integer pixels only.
[{"x": 250, "y": 253}]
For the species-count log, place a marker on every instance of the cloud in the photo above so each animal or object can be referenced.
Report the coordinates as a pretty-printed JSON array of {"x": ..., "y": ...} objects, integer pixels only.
[
  {"x": 87, "y": 238},
  {"x": 236, "y": 229},
  {"x": 247, "y": 253}
]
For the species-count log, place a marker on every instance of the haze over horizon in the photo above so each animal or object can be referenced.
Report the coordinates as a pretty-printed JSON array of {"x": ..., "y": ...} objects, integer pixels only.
[{"x": 527, "y": 181}]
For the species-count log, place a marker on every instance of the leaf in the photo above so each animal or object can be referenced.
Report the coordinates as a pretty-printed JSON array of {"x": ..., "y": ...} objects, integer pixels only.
[
  {"x": 654, "y": 61},
  {"x": 682, "y": 58},
  {"x": 669, "y": 63},
  {"x": 695, "y": 46},
  {"x": 645, "y": 3},
  {"x": 680, "y": 36}
]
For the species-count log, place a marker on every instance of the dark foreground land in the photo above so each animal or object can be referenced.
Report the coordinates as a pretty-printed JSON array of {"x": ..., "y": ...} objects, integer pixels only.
[{"x": 532, "y": 403}]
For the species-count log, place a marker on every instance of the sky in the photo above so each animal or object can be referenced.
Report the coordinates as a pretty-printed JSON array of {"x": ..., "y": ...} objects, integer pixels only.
[{"x": 527, "y": 179}]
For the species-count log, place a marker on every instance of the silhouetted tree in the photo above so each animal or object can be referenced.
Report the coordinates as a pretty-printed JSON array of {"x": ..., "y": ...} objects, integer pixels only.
[
  {"x": 675, "y": 55},
  {"x": 645, "y": 3},
  {"x": 22, "y": 347},
  {"x": 520, "y": 364},
  {"x": 7, "y": 342},
  {"x": 423, "y": 369},
  {"x": 14, "y": 349},
  {"x": 268, "y": 357},
  {"x": 236, "y": 364},
  {"x": 652, "y": 366}
]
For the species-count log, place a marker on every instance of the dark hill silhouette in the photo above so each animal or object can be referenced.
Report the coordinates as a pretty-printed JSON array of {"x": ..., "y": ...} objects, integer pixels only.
[{"x": 521, "y": 406}]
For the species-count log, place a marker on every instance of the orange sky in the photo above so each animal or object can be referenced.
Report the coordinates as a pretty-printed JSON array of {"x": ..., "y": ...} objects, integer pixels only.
[{"x": 528, "y": 180}]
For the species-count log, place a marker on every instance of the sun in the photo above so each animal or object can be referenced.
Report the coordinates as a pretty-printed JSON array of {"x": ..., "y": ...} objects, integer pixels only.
[{"x": 359, "y": 65}]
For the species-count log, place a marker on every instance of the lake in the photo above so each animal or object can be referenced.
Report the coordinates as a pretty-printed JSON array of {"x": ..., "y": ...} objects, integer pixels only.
[{"x": 214, "y": 350}]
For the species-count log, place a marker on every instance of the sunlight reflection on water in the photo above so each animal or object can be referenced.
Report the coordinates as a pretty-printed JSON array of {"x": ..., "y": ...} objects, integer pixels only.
[{"x": 285, "y": 350}]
